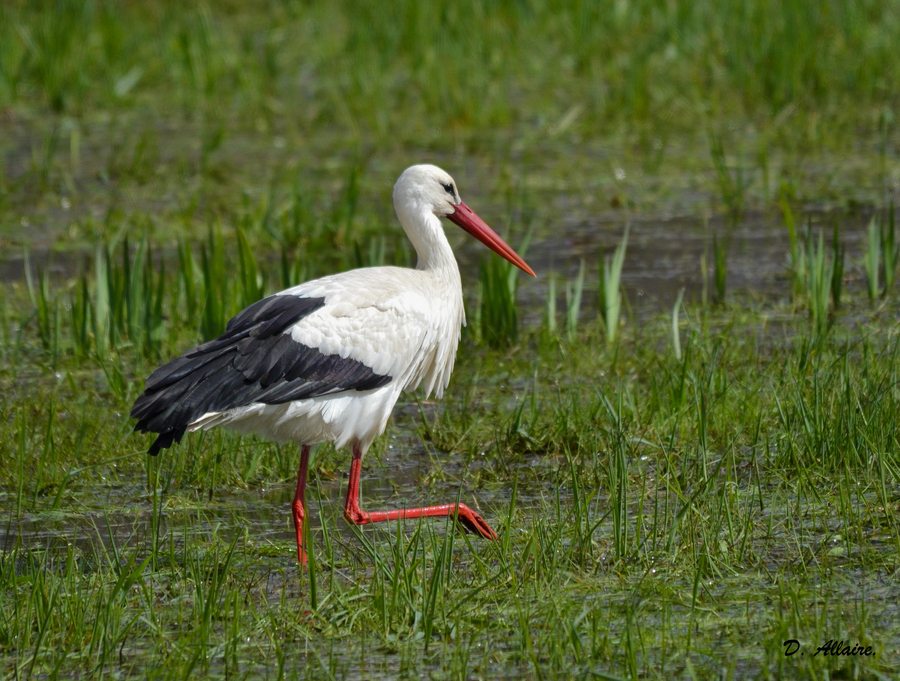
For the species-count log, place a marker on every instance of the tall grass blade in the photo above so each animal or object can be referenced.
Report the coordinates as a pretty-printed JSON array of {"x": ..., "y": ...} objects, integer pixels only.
[
  {"x": 821, "y": 273},
  {"x": 610, "y": 293},
  {"x": 574, "y": 290},
  {"x": 889, "y": 251},
  {"x": 47, "y": 310},
  {"x": 720, "y": 264},
  {"x": 551, "y": 305},
  {"x": 293, "y": 271},
  {"x": 732, "y": 185},
  {"x": 676, "y": 332},
  {"x": 872, "y": 258},
  {"x": 798, "y": 255},
  {"x": 212, "y": 258},
  {"x": 101, "y": 309},
  {"x": 189, "y": 274},
  {"x": 252, "y": 283},
  {"x": 498, "y": 316},
  {"x": 837, "y": 269}
]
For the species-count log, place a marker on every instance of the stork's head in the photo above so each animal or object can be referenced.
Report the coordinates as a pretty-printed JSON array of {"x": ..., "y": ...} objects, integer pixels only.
[{"x": 428, "y": 189}]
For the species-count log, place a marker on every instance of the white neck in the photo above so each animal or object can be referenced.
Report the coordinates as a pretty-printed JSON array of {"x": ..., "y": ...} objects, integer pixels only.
[{"x": 424, "y": 230}]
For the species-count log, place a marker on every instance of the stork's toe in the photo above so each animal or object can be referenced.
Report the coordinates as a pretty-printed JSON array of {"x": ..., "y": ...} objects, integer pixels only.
[{"x": 474, "y": 523}]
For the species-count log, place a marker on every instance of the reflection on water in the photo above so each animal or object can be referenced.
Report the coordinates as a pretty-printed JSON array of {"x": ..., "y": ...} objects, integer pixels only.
[{"x": 664, "y": 255}]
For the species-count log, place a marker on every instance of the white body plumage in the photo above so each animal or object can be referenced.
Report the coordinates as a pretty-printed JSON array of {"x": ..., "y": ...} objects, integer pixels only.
[
  {"x": 404, "y": 323},
  {"x": 400, "y": 322}
]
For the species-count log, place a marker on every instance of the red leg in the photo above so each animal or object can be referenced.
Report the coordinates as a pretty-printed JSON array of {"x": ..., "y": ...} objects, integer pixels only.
[
  {"x": 466, "y": 517},
  {"x": 299, "y": 505}
]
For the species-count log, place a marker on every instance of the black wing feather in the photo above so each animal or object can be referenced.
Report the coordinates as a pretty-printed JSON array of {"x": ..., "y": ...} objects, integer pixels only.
[{"x": 253, "y": 361}]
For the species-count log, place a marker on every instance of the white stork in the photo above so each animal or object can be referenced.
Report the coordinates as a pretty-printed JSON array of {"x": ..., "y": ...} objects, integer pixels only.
[{"x": 328, "y": 359}]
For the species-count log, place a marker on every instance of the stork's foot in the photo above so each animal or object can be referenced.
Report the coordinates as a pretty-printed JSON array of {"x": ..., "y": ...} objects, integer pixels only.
[
  {"x": 465, "y": 516},
  {"x": 356, "y": 516},
  {"x": 474, "y": 523}
]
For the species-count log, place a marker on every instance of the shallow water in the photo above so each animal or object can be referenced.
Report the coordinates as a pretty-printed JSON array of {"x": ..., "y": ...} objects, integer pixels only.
[
  {"x": 664, "y": 256},
  {"x": 122, "y": 512}
]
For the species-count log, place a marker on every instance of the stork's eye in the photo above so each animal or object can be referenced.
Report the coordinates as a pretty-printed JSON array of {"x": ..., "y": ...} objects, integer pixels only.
[{"x": 449, "y": 189}]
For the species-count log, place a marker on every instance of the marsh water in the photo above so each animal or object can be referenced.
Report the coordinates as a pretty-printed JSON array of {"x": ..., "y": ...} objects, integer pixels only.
[
  {"x": 670, "y": 250},
  {"x": 665, "y": 255},
  {"x": 687, "y": 496}
]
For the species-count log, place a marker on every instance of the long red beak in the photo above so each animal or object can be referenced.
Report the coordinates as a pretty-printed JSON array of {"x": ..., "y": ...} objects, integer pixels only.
[{"x": 466, "y": 218}]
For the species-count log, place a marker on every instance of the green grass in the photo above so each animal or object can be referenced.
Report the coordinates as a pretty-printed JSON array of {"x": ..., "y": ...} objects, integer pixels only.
[
  {"x": 227, "y": 58},
  {"x": 172, "y": 117},
  {"x": 873, "y": 258},
  {"x": 821, "y": 276},
  {"x": 574, "y": 291},
  {"x": 658, "y": 511},
  {"x": 496, "y": 318},
  {"x": 676, "y": 495},
  {"x": 609, "y": 294}
]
